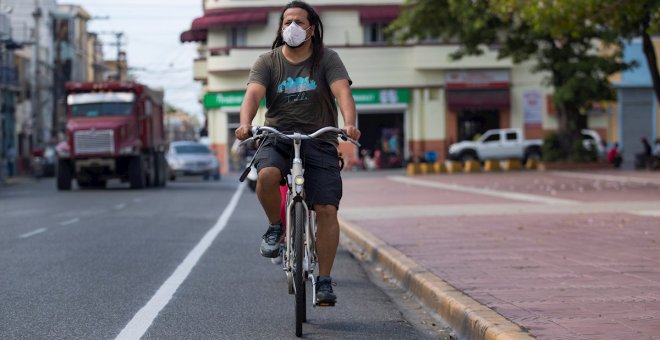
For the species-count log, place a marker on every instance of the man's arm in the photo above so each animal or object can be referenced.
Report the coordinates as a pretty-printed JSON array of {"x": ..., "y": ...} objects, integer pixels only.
[
  {"x": 342, "y": 91},
  {"x": 253, "y": 96}
]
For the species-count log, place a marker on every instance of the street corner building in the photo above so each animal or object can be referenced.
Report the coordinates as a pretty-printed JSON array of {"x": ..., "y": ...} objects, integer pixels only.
[{"x": 412, "y": 99}]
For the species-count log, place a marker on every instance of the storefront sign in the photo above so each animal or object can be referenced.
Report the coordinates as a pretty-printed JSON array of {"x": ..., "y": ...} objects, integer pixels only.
[
  {"x": 216, "y": 100},
  {"x": 482, "y": 79},
  {"x": 384, "y": 96},
  {"x": 533, "y": 108}
]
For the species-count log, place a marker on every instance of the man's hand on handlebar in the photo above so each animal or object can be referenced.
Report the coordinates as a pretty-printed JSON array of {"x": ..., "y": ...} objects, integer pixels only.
[
  {"x": 243, "y": 132},
  {"x": 352, "y": 132}
]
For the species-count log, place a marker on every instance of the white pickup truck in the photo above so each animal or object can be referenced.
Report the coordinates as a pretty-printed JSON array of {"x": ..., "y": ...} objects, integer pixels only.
[
  {"x": 497, "y": 144},
  {"x": 511, "y": 144}
]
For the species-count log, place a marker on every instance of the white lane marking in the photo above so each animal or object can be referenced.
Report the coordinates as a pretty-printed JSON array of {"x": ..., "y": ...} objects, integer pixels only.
[
  {"x": 488, "y": 192},
  {"x": 651, "y": 213},
  {"x": 71, "y": 221},
  {"x": 611, "y": 178},
  {"x": 32, "y": 233},
  {"x": 141, "y": 322},
  {"x": 120, "y": 206},
  {"x": 137, "y": 200},
  {"x": 507, "y": 209}
]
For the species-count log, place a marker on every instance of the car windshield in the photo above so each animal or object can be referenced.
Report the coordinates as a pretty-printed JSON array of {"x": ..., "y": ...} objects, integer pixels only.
[
  {"x": 101, "y": 109},
  {"x": 192, "y": 149}
]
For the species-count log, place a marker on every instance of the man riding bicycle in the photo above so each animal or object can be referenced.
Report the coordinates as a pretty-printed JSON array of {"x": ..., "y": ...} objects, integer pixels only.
[{"x": 300, "y": 80}]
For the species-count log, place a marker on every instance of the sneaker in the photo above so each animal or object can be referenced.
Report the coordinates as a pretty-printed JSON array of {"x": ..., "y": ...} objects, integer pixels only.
[
  {"x": 270, "y": 242},
  {"x": 324, "y": 294},
  {"x": 277, "y": 260}
]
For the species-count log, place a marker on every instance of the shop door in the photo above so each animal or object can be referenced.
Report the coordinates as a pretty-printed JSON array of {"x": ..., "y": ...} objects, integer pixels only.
[
  {"x": 383, "y": 137},
  {"x": 473, "y": 123},
  {"x": 636, "y": 122}
]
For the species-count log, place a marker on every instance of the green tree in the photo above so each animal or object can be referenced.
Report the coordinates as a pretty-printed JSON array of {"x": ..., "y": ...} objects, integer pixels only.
[
  {"x": 557, "y": 35},
  {"x": 635, "y": 19}
]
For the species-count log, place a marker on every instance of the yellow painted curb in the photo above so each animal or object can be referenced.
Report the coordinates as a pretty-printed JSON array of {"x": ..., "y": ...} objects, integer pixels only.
[
  {"x": 472, "y": 166},
  {"x": 413, "y": 169},
  {"x": 453, "y": 167},
  {"x": 469, "y": 318},
  {"x": 492, "y": 165},
  {"x": 532, "y": 164},
  {"x": 439, "y": 167},
  {"x": 511, "y": 164}
]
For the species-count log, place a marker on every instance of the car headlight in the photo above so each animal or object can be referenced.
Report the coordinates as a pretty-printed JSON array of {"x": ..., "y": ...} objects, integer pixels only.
[{"x": 175, "y": 162}]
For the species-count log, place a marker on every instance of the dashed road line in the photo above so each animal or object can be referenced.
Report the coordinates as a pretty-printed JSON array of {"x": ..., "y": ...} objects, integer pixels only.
[
  {"x": 32, "y": 233},
  {"x": 71, "y": 221},
  {"x": 120, "y": 206}
]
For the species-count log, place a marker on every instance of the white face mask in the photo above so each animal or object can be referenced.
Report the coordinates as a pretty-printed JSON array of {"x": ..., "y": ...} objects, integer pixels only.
[{"x": 294, "y": 35}]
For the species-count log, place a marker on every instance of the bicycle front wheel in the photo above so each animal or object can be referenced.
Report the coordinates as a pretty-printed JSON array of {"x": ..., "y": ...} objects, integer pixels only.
[{"x": 299, "y": 270}]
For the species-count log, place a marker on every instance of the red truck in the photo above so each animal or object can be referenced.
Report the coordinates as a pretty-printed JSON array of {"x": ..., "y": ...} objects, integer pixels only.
[{"x": 114, "y": 130}]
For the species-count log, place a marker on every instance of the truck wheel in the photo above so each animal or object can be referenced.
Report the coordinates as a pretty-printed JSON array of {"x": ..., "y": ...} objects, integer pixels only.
[
  {"x": 136, "y": 175},
  {"x": 468, "y": 156},
  {"x": 64, "y": 175},
  {"x": 532, "y": 154}
]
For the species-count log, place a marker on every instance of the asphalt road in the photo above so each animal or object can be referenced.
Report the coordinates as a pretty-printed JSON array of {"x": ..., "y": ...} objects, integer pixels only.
[{"x": 164, "y": 264}]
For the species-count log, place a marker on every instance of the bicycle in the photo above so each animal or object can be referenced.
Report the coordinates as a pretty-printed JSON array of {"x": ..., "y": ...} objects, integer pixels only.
[{"x": 299, "y": 251}]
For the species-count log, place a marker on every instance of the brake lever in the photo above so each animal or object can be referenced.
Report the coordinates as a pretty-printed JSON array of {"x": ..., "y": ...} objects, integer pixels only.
[{"x": 245, "y": 173}]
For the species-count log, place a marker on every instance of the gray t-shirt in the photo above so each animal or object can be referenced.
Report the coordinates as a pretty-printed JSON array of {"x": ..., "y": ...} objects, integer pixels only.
[{"x": 294, "y": 101}]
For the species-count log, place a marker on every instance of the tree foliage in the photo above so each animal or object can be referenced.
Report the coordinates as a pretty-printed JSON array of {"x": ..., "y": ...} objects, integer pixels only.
[{"x": 577, "y": 43}]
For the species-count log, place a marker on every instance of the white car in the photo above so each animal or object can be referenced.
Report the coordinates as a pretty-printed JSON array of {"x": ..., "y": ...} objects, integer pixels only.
[
  {"x": 186, "y": 158},
  {"x": 512, "y": 144}
]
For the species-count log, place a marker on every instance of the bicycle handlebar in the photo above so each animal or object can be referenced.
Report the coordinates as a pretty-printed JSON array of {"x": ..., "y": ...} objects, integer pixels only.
[{"x": 259, "y": 132}]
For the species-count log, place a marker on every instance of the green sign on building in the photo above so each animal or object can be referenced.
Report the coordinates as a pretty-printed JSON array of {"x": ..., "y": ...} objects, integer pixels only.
[
  {"x": 216, "y": 100},
  {"x": 381, "y": 96},
  {"x": 361, "y": 97}
]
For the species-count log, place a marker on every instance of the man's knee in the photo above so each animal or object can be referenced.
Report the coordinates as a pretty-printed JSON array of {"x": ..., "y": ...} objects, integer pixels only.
[
  {"x": 325, "y": 211},
  {"x": 269, "y": 177}
]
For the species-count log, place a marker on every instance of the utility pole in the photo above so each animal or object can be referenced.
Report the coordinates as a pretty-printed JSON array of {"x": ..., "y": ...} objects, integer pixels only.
[
  {"x": 118, "y": 43},
  {"x": 36, "y": 88}
]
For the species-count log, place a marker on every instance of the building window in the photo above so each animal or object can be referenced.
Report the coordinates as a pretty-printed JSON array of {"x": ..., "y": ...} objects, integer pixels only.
[
  {"x": 374, "y": 34},
  {"x": 237, "y": 37}
]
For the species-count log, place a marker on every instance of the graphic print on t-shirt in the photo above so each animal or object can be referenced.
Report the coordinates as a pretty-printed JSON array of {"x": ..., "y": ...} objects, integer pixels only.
[{"x": 295, "y": 90}]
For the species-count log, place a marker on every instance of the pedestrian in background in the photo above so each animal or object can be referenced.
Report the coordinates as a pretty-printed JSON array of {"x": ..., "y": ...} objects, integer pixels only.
[
  {"x": 614, "y": 155},
  {"x": 643, "y": 159},
  {"x": 11, "y": 161}
]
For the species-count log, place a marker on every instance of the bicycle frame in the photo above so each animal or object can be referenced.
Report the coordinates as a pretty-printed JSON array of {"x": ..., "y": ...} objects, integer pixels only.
[{"x": 296, "y": 193}]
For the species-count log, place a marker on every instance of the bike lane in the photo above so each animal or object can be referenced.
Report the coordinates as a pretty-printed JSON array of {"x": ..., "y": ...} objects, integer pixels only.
[{"x": 558, "y": 254}]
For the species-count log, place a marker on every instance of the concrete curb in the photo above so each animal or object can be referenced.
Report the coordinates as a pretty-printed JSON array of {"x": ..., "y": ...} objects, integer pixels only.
[{"x": 469, "y": 318}]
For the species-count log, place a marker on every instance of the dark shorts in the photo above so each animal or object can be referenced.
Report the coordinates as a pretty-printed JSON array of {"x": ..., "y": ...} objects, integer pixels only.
[{"x": 322, "y": 174}]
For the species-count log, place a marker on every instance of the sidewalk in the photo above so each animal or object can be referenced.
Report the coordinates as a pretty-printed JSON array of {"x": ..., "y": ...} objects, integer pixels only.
[{"x": 518, "y": 255}]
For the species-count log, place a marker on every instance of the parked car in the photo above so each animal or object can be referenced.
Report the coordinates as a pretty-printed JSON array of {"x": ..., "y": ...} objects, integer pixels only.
[
  {"x": 186, "y": 158},
  {"x": 497, "y": 144},
  {"x": 590, "y": 139},
  {"x": 511, "y": 144},
  {"x": 43, "y": 161}
]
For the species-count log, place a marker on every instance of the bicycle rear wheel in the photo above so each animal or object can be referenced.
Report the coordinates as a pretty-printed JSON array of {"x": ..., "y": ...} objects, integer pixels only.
[{"x": 299, "y": 270}]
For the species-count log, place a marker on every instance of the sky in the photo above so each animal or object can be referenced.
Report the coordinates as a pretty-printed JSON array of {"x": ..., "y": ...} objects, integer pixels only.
[{"x": 151, "y": 36}]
